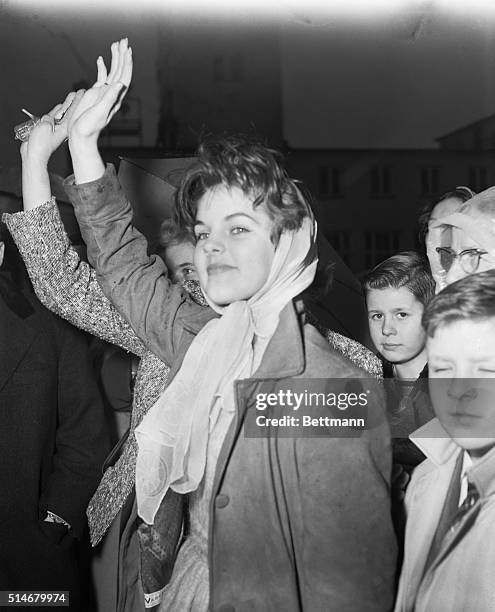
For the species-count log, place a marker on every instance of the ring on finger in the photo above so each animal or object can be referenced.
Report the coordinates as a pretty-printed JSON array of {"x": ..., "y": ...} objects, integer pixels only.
[{"x": 23, "y": 130}]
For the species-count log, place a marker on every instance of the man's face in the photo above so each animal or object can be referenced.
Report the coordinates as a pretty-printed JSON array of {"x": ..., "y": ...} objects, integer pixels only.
[{"x": 461, "y": 364}]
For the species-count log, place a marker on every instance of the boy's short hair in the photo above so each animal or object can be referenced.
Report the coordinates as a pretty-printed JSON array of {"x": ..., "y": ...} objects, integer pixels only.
[
  {"x": 472, "y": 297},
  {"x": 244, "y": 162},
  {"x": 407, "y": 269}
]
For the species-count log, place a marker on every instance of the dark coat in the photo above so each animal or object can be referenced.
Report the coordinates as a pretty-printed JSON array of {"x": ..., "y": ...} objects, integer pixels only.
[{"x": 53, "y": 443}]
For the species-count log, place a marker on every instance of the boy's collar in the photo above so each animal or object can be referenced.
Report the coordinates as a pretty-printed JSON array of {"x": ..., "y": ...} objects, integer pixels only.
[{"x": 436, "y": 444}]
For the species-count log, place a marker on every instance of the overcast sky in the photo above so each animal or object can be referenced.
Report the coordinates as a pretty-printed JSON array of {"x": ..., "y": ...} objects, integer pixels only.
[{"x": 397, "y": 74}]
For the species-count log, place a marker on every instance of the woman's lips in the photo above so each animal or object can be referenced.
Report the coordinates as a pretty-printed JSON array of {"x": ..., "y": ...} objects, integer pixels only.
[{"x": 218, "y": 268}]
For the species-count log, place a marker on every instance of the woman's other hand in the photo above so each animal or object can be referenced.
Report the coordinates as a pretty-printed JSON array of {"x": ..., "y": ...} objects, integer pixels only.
[{"x": 100, "y": 103}]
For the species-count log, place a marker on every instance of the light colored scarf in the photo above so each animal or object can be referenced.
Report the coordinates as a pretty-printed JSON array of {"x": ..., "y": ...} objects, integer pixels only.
[{"x": 173, "y": 436}]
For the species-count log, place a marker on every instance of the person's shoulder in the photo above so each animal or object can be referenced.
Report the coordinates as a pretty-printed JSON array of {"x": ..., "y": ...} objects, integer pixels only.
[
  {"x": 358, "y": 354},
  {"x": 324, "y": 360},
  {"x": 50, "y": 323},
  {"x": 420, "y": 478}
]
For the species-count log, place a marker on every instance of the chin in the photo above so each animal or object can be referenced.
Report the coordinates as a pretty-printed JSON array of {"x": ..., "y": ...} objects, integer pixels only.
[
  {"x": 224, "y": 294},
  {"x": 222, "y": 297}
]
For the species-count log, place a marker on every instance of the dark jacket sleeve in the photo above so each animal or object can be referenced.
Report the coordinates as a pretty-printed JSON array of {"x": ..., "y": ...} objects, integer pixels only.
[
  {"x": 81, "y": 442},
  {"x": 137, "y": 284}
]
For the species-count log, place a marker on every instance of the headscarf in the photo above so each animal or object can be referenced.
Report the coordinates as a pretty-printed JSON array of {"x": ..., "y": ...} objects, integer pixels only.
[
  {"x": 476, "y": 217},
  {"x": 173, "y": 436}
]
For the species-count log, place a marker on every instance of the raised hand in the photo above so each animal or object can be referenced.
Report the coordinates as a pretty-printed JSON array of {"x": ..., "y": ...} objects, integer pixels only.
[
  {"x": 100, "y": 103},
  {"x": 51, "y": 130}
]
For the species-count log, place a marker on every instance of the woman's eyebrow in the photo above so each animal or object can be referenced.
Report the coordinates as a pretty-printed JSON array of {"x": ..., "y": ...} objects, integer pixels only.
[
  {"x": 229, "y": 218},
  {"x": 241, "y": 214}
]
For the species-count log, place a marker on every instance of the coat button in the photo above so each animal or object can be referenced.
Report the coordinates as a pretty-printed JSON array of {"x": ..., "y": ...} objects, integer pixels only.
[{"x": 220, "y": 502}]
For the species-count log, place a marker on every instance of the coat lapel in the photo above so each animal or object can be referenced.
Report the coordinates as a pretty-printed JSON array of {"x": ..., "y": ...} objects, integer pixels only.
[{"x": 16, "y": 332}]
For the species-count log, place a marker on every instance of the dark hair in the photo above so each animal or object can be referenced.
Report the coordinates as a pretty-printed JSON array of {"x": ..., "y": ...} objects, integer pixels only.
[
  {"x": 459, "y": 193},
  {"x": 244, "y": 162},
  {"x": 407, "y": 269},
  {"x": 471, "y": 297}
]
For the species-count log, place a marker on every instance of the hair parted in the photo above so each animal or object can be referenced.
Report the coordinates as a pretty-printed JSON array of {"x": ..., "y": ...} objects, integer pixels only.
[
  {"x": 407, "y": 269},
  {"x": 244, "y": 162},
  {"x": 472, "y": 298}
]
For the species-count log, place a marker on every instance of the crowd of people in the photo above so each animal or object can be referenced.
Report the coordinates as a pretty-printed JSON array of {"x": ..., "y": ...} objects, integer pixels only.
[{"x": 192, "y": 510}]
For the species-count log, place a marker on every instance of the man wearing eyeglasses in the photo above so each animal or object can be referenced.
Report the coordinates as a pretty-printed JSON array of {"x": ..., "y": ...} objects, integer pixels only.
[{"x": 463, "y": 242}]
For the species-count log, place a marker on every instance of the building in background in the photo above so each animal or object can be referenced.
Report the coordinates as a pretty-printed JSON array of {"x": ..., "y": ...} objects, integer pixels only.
[
  {"x": 217, "y": 80},
  {"x": 368, "y": 201},
  {"x": 474, "y": 136}
]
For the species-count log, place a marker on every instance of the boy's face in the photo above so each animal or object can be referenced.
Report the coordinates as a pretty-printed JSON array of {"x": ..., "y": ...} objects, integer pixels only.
[
  {"x": 234, "y": 251},
  {"x": 179, "y": 261},
  {"x": 394, "y": 317},
  {"x": 461, "y": 364}
]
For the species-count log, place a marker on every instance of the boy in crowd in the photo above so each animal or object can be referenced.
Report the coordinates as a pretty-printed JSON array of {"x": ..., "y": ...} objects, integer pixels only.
[
  {"x": 397, "y": 291},
  {"x": 449, "y": 552}
]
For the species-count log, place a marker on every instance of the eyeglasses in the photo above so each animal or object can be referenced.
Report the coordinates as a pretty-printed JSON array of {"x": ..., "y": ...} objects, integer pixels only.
[{"x": 469, "y": 259}]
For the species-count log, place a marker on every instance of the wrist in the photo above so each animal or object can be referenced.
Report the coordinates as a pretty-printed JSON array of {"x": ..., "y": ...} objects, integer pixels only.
[
  {"x": 79, "y": 143},
  {"x": 86, "y": 160},
  {"x": 34, "y": 160}
]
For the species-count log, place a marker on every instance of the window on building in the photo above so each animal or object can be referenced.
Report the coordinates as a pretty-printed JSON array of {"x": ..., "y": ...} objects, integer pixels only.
[
  {"x": 380, "y": 181},
  {"x": 379, "y": 245},
  {"x": 330, "y": 181},
  {"x": 478, "y": 178},
  {"x": 341, "y": 242},
  {"x": 429, "y": 180}
]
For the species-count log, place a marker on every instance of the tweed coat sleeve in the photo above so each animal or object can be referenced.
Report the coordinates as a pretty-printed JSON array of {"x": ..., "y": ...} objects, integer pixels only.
[{"x": 63, "y": 283}]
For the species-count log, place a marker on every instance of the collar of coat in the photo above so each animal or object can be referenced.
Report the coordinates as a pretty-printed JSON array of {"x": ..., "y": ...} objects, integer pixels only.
[{"x": 440, "y": 449}]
